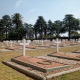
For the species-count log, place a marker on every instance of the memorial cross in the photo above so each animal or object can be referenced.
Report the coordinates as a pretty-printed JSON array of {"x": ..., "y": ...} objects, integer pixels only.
[
  {"x": 7, "y": 42},
  {"x": 24, "y": 44},
  {"x": 79, "y": 44},
  {"x": 42, "y": 42},
  {"x": 11, "y": 43},
  {"x": 57, "y": 45}
]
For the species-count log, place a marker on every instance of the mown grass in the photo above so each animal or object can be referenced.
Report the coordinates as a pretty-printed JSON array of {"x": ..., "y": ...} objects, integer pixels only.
[{"x": 7, "y": 73}]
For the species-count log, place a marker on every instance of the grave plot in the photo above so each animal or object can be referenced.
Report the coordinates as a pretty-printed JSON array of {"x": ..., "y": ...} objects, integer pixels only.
[
  {"x": 32, "y": 47},
  {"x": 6, "y": 43},
  {"x": 73, "y": 42},
  {"x": 74, "y": 63},
  {"x": 44, "y": 44},
  {"x": 39, "y": 64},
  {"x": 63, "y": 55},
  {"x": 70, "y": 56},
  {"x": 12, "y": 46},
  {"x": 33, "y": 65},
  {"x": 77, "y": 51}
]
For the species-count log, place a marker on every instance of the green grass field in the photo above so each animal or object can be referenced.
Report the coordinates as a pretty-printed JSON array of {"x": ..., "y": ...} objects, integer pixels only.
[{"x": 7, "y": 73}]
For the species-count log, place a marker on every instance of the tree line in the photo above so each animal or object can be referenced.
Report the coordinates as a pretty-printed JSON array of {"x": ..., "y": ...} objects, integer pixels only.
[{"x": 13, "y": 27}]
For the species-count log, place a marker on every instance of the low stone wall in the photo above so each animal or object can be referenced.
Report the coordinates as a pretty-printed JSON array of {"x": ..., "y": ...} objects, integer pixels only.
[{"x": 27, "y": 72}]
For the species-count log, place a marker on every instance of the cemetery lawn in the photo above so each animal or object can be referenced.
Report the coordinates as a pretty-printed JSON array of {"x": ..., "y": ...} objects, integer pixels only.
[{"x": 7, "y": 73}]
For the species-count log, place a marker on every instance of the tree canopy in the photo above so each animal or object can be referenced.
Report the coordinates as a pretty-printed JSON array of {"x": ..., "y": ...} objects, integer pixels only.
[{"x": 14, "y": 28}]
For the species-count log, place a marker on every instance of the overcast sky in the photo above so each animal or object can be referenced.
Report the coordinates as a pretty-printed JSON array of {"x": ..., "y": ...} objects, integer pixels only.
[{"x": 49, "y": 9}]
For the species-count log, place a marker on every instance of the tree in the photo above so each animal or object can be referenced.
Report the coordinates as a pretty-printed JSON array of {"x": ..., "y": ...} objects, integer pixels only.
[
  {"x": 71, "y": 24},
  {"x": 17, "y": 20},
  {"x": 1, "y": 30},
  {"x": 22, "y": 32},
  {"x": 35, "y": 28},
  {"x": 41, "y": 24},
  {"x": 7, "y": 23},
  {"x": 29, "y": 30},
  {"x": 12, "y": 34},
  {"x": 50, "y": 29},
  {"x": 58, "y": 28}
]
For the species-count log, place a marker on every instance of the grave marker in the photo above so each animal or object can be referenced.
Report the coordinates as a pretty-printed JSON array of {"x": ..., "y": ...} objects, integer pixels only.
[
  {"x": 24, "y": 44},
  {"x": 42, "y": 42},
  {"x": 79, "y": 44},
  {"x": 63, "y": 42},
  {"x": 57, "y": 45},
  {"x": 11, "y": 43},
  {"x": 7, "y": 42}
]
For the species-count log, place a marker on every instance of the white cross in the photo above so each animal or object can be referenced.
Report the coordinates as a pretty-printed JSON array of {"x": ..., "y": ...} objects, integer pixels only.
[
  {"x": 23, "y": 46},
  {"x": 57, "y": 46},
  {"x": 19, "y": 41},
  {"x": 73, "y": 41},
  {"x": 38, "y": 41},
  {"x": 46, "y": 41},
  {"x": 79, "y": 44},
  {"x": 42, "y": 42},
  {"x": 64, "y": 42},
  {"x": 28, "y": 41},
  {"x": 11, "y": 43},
  {"x": 7, "y": 42}
]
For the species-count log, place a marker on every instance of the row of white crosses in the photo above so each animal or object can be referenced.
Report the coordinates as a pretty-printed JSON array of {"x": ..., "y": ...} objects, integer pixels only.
[{"x": 24, "y": 44}]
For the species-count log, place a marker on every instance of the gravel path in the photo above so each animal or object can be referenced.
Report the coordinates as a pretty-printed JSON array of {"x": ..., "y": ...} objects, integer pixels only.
[{"x": 60, "y": 60}]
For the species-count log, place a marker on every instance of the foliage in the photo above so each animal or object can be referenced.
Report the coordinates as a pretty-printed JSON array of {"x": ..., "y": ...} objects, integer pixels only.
[
  {"x": 58, "y": 28},
  {"x": 29, "y": 30},
  {"x": 50, "y": 29},
  {"x": 15, "y": 29},
  {"x": 71, "y": 24},
  {"x": 6, "y": 23},
  {"x": 41, "y": 26}
]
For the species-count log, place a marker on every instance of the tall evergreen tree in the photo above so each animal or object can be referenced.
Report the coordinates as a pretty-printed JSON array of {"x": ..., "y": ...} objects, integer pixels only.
[
  {"x": 50, "y": 29},
  {"x": 42, "y": 27},
  {"x": 17, "y": 20},
  {"x": 58, "y": 27},
  {"x": 35, "y": 28},
  {"x": 71, "y": 24},
  {"x": 29, "y": 30},
  {"x": 1, "y": 29},
  {"x": 7, "y": 23}
]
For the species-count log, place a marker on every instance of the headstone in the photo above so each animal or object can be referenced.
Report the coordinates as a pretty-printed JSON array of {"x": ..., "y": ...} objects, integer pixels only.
[
  {"x": 38, "y": 41},
  {"x": 24, "y": 44},
  {"x": 46, "y": 41},
  {"x": 3, "y": 44},
  {"x": 42, "y": 42},
  {"x": 7, "y": 42},
  {"x": 63, "y": 42},
  {"x": 79, "y": 43},
  {"x": 57, "y": 45},
  {"x": 73, "y": 41},
  {"x": 19, "y": 41},
  {"x": 28, "y": 42},
  {"x": 11, "y": 43}
]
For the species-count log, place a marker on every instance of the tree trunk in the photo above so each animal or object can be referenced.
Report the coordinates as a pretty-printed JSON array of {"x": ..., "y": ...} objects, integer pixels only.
[
  {"x": 45, "y": 34},
  {"x": 69, "y": 34},
  {"x": 36, "y": 35},
  {"x": 6, "y": 32}
]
